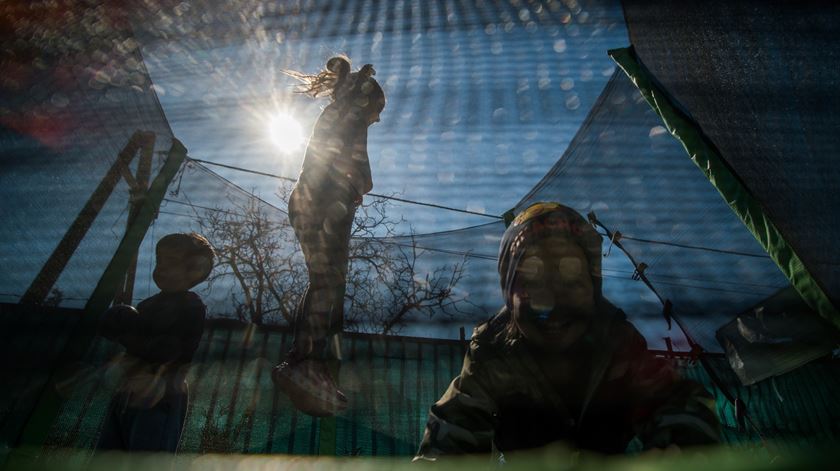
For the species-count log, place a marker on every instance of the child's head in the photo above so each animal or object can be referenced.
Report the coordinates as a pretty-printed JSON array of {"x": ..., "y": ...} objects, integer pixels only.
[
  {"x": 182, "y": 261},
  {"x": 357, "y": 89},
  {"x": 550, "y": 271}
]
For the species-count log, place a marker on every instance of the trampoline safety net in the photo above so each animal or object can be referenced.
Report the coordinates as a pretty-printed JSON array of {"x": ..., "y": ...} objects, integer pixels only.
[{"x": 492, "y": 106}]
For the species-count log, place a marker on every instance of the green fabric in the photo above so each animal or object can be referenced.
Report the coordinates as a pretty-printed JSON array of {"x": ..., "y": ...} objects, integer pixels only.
[
  {"x": 737, "y": 196},
  {"x": 49, "y": 405},
  {"x": 549, "y": 458}
]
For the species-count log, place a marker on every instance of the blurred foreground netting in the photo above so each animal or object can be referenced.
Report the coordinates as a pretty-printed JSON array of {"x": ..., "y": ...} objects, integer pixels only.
[
  {"x": 68, "y": 115},
  {"x": 75, "y": 90},
  {"x": 552, "y": 457},
  {"x": 484, "y": 98}
]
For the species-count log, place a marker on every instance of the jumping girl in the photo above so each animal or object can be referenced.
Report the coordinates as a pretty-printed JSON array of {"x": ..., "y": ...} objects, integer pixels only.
[{"x": 335, "y": 176}]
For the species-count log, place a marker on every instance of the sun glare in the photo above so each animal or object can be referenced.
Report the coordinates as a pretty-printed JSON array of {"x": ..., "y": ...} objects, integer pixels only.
[{"x": 285, "y": 133}]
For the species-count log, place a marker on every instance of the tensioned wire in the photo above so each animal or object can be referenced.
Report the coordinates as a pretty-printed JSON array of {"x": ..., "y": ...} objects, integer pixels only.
[
  {"x": 447, "y": 208},
  {"x": 408, "y": 241},
  {"x": 620, "y": 274},
  {"x": 375, "y": 195}
]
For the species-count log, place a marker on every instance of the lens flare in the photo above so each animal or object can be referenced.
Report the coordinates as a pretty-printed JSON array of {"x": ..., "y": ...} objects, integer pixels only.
[{"x": 285, "y": 133}]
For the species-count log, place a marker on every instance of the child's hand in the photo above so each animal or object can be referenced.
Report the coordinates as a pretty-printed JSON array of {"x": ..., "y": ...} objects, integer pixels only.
[{"x": 115, "y": 319}]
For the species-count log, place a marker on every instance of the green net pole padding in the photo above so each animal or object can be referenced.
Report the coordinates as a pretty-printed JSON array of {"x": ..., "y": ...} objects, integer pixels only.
[
  {"x": 38, "y": 426},
  {"x": 727, "y": 183}
]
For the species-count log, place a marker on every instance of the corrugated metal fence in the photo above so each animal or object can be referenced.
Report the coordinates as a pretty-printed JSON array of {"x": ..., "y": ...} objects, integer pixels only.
[{"x": 390, "y": 380}]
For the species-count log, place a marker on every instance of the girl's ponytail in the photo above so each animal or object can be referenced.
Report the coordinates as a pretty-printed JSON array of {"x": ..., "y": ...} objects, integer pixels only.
[
  {"x": 336, "y": 81},
  {"x": 328, "y": 82}
]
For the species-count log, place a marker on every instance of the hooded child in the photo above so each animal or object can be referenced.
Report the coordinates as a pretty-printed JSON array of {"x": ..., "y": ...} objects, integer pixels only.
[{"x": 559, "y": 362}]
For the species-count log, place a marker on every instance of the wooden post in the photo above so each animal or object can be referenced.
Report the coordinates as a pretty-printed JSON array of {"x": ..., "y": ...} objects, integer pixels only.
[
  {"x": 125, "y": 292},
  {"x": 52, "y": 268}
]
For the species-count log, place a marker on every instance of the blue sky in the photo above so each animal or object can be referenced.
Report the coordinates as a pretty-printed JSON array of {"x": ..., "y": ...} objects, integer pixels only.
[{"x": 475, "y": 118}]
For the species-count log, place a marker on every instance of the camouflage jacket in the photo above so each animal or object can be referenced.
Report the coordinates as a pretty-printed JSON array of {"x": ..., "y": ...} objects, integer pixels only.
[{"x": 596, "y": 398}]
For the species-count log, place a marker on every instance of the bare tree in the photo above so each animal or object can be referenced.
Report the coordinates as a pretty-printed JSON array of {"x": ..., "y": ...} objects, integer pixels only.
[
  {"x": 259, "y": 253},
  {"x": 401, "y": 289},
  {"x": 385, "y": 284}
]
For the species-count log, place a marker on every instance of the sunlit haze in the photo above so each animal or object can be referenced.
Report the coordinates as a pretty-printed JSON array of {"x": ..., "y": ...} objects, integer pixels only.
[{"x": 285, "y": 133}]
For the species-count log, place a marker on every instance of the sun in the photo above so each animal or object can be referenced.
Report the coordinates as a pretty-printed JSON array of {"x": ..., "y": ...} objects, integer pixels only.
[{"x": 285, "y": 133}]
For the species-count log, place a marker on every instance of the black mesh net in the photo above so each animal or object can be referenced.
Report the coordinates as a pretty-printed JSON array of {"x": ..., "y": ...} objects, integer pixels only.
[
  {"x": 759, "y": 80},
  {"x": 75, "y": 90},
  {"x": 626, "y": 168},
  {"x": 491, "y": 106}
]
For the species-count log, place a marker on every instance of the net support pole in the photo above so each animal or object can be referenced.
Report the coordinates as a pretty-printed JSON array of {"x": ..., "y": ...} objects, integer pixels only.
[
  {"x": 37, "y": 428},
  {"x": 739, "y": 198},
  {"x": 139, "y": 189}
]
